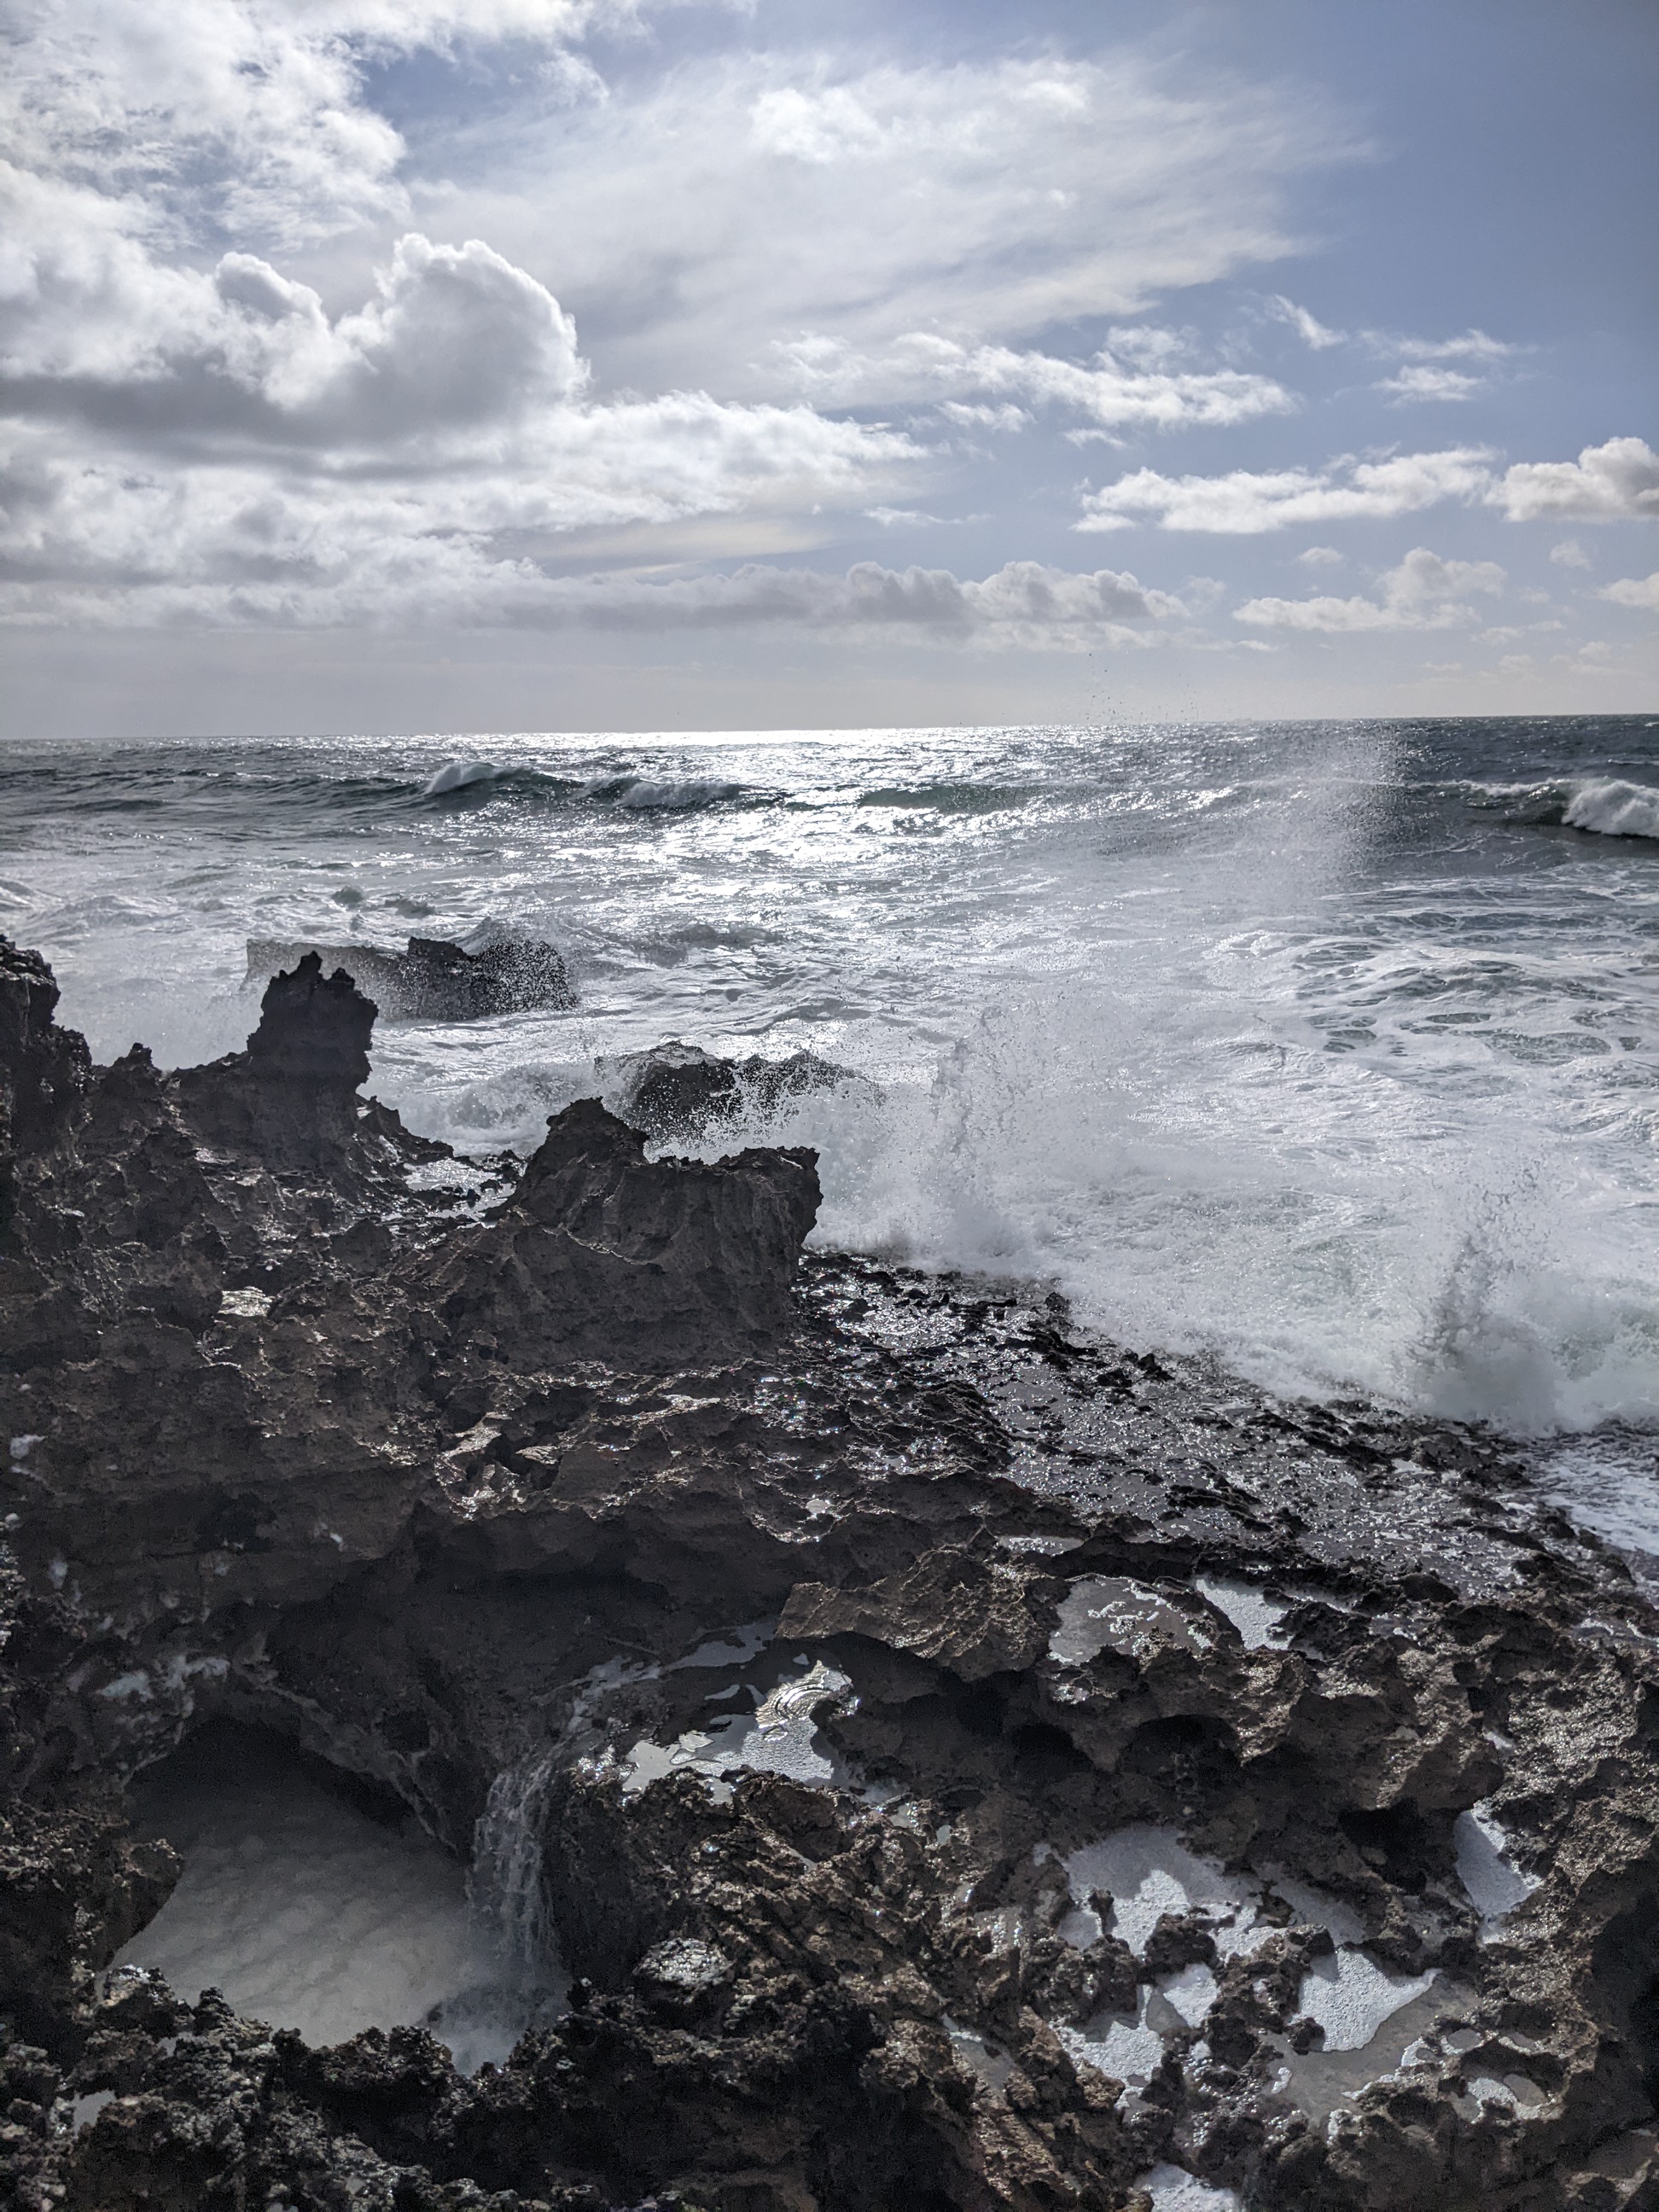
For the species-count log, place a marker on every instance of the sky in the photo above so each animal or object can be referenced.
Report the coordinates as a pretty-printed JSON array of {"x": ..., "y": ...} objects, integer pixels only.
[{"x": 467, "y": 365}]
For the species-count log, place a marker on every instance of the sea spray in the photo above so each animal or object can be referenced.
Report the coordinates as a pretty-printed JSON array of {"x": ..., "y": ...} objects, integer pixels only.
[{"x": 1330, "y": 1049}]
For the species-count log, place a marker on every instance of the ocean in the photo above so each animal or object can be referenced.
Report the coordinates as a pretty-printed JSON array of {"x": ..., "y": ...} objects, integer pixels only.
[{"x": 1327, "y": 1050}]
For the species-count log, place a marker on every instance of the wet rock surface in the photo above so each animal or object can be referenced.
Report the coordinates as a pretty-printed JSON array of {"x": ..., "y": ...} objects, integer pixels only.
[
  {"x": 432, "y": 979},
  {"x": 678, "y": 1093},
  {"x": 964, "y": 1764}
]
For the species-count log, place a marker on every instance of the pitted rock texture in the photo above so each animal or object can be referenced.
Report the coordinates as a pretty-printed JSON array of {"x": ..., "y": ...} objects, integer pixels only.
[{"x": 972, "y": 1767}]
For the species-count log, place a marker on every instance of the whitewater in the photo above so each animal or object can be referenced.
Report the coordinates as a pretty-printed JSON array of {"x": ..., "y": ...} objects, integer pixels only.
[{"x": 1330, "y": 1050}]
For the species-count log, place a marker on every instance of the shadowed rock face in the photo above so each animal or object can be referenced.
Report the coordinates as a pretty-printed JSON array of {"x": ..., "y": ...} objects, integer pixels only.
[
  {"x": 971, "y": 1766},
  {"x": 433, "y": 978},
  {"x": 290, "y": 1099},
  {"x": 599, "y": 1253},
  {"x": 43, "y": 1069}
]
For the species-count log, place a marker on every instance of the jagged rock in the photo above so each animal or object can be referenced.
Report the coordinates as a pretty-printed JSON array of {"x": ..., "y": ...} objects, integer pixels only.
[
  {"x": 977, "y": 1616},
  {"x": 600, "y": 1253},
  {"x": 677, "y": 1092},
  {"x": 433, "y": 978},
  {"x": 290, "y": 1099},
  {"x": 43, "y": 1070}
]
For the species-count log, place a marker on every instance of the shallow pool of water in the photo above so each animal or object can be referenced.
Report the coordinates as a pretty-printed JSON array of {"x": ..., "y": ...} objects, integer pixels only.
[{"x": 305, "y": 1910}]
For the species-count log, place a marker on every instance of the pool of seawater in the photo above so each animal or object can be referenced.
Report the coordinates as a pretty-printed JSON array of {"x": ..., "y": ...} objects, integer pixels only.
[{"x": 308, "y": 1904}]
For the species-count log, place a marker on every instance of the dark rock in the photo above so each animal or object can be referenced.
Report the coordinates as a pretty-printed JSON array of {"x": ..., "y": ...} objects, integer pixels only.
[
  {"x": 290, "y": 1099},
  {"x": 677, "y": 1092},
  {"x": 600, "y": 1253},
  {"x": 43, "y": 1070},
  {"x": 433, "y": 978}
]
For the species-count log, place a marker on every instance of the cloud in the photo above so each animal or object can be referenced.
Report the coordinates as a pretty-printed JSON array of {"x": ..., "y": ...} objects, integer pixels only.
[
  {"x": 249, "y": 115},
  {"x": 1614, "y": 482},
  {"x": 103, "y": 530},
  {"x": 353, "y": 572},
  {"x": 1618, "y": 481},
  {"x": 1421, "y": 593},
  {"x": 979, "y": 417},
  {"x": 922, "y": 366},
  {"x": 699, "y": 216},
  {"x": 1246, "y": 502},
  {"x": 1420, "y": 382},
  {"x": 1473, "y": 345},
  {"x": 1634, "y": 592},
  {"x": 1321, "y": 556},
  {"x": 1308, "y": 327},
  {"x": 216, "y": 431},
  {"x": 1569, "y": 554}
]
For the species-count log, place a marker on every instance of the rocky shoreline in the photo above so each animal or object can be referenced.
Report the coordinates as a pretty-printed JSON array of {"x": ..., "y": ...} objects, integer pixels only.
[{"x": 964, "y": 1766}]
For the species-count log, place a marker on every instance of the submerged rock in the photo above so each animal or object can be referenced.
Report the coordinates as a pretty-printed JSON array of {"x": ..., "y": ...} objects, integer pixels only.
[
  {"x": 961, "y": 1762},
  {"x": 677, "y": 1092},
  {"x": 433, "y": 979}
]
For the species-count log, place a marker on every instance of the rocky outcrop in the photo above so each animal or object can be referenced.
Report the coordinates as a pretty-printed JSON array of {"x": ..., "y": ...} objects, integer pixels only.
[
  {"x": 43, "y": 1069},
  {"x": 966, "y": 1763},
  {"x": 678, "y": 1093},
  {"x": 432, "y": 979},
  {"x": 600, "y": 1254}
]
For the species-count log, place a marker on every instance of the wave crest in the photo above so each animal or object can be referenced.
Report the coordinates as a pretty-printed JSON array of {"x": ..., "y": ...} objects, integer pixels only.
[
  {"x": 1606, "y": 806},
  {"x": 462, "y": 776},
  {"x": 1614, "y": 809}
]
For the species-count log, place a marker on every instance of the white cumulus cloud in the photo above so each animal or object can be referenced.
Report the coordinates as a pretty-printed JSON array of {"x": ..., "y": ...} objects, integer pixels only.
[
  {"x": 962, "y": 378},
  {"x": 1423, "y": 592},
  {"x": 1245, "y": 502},
  {"x": 1614, "y": 483},
  {"x": 1634, "y": 592}
]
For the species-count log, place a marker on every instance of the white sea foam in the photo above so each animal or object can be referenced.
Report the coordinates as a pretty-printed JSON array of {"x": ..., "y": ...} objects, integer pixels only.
[
  {"x": 303, "y": 1911},
  {"x": 1615, "y": 809}
]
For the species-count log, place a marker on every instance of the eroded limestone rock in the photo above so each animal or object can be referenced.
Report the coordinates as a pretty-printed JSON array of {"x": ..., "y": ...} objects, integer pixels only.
[{"x": 963, "y": 1763}]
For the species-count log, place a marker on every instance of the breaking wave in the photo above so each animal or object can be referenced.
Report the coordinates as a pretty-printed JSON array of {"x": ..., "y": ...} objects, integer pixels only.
[
  {"x": 1615, "y": 810},
  {"x": 642, "y": 794},
  {"x": 1606, "y": 806},
  {"x": 465, "y": 780}
]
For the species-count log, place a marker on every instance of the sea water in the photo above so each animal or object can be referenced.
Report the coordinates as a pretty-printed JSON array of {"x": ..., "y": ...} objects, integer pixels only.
[
  {"x": 308, "y": 1911},
  {"x": 1331, "y": 1048}
]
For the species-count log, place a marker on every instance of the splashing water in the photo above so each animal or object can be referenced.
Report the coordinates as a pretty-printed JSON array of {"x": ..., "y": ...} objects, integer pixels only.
[
  {"x": 1331, "y": 1050},
  {"x": 505, "y": 1885}
]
